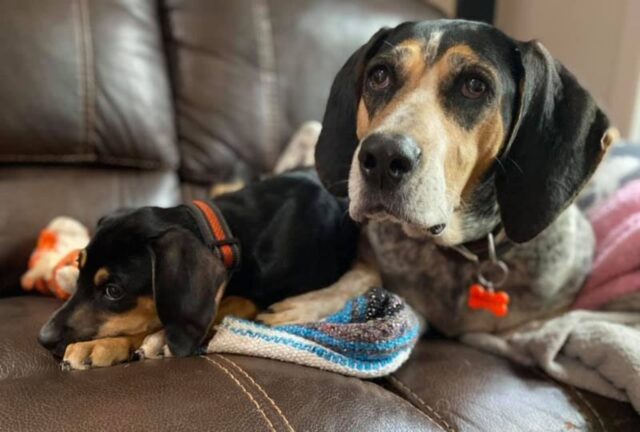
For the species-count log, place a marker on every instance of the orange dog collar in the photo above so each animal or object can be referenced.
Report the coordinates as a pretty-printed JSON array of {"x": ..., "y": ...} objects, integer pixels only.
[{"x": 216, "y": 233}]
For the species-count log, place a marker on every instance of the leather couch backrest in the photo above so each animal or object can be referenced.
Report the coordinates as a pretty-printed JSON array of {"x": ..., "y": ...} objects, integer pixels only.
[
  {"x": 247, "y": 73},
  {"x": 123, "y": 103},
  {"x": 85, "y": 81},
  {"x": 89, "y": 81}
]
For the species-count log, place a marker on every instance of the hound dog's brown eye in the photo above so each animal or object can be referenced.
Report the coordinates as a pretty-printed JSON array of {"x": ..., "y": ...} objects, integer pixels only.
[
  {"x": 113, "y": 292},
  {"x": 378, "y": 78},
  {"x": 473, "y": 88}
]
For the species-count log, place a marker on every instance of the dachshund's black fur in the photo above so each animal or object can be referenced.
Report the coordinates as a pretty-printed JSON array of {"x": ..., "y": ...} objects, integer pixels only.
[{"x": 294, "y": 235}]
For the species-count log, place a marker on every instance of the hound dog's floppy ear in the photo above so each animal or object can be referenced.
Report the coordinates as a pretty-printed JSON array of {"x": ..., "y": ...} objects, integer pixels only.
[
  {"x": 558, "y": 138},
  {"x": 338, "y": 140},
  {"x": 187, "y": 278}
]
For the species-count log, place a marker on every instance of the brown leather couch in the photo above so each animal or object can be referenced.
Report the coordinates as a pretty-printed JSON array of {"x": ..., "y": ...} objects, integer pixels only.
[{"x": 107, "y": 103}]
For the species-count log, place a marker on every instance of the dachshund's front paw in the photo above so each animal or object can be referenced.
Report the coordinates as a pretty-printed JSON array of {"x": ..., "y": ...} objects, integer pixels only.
[
  {"x": 100, "y": 352},
  {"x": 153, "y": 347}
]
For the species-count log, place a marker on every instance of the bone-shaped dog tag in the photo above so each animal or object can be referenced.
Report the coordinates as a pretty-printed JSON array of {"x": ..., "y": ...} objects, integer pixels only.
[{"x": 496, "y": 302}]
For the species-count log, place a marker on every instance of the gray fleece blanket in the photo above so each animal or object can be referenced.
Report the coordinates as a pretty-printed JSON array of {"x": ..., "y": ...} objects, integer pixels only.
[
  {"x": 592, "y": 350},
  {"x": 593, "y": 347}
]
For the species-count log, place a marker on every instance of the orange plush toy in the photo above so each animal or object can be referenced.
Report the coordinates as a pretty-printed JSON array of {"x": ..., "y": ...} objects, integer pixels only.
[{"x": 53, "y": 266}]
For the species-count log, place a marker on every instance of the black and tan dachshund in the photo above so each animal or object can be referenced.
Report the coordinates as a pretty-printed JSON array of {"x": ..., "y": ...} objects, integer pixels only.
[{"x": 167, "y": 267}]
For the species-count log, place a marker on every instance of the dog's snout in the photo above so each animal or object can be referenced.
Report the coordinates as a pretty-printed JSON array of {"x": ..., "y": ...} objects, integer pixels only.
[
  {"x": 385, "y": 160},
  {"x": 50, "y": 335}
]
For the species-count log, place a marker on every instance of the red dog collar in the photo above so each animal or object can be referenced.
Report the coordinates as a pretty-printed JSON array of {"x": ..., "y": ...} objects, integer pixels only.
[{"x": 216, "y": 233}]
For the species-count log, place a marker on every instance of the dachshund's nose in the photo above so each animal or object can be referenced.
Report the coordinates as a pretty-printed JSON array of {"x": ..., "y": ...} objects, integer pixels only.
[
  {"x": 386, "y": 160},
  {"x": 50, "y": 335}
]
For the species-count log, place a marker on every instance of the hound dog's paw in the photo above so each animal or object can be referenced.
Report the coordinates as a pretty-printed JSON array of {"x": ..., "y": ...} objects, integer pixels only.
[
  {"x": 225, "y": 188},
  {"x": 319, "y": 304},
  {"x": 154, "y": 346},
  {"x": 100, "y": 352},
  {"x": 309, "y": 307}
]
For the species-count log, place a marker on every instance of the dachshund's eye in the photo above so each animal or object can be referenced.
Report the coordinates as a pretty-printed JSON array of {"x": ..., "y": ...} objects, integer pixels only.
[
  {"x": 113, "y": 292},
  {"x": 473, "y": 88},
  {"x": 379, "y": 77}
]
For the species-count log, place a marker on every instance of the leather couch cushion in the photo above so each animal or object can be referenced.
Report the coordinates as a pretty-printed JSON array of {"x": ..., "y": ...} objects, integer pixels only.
[
  {"x": 85, "y": 194},
  {"x": 249, "y": 72},
  {"x": 20, "y": 354},
  {"x": 87, "y": 82},
  {"x": 230, "y": 393},
  {"x": 444, "y": 386},
  {"x": 465, "y": 389}
]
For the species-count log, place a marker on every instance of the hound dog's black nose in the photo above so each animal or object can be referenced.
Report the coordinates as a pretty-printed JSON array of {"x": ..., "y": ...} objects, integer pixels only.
[{"x": 387, "y": 159}]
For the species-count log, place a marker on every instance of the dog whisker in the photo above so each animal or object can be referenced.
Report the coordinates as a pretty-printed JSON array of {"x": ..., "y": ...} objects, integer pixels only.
[
  {"x": 500, "y": 164},
  {"x": 337, "y": 183},
  {"x": 516, "y": 164},
  {"x": 463, "y": 204}
]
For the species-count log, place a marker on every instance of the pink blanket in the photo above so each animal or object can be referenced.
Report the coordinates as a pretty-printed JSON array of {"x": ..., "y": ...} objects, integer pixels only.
[{"x": 616, "y": 266}]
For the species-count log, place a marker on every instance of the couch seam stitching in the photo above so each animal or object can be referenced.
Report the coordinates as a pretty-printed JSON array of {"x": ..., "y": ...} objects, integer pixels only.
[
  {"x": 246, "y": 392},
  {"x": 423, "y": 403},
  {"x": 83, "y": 158},
  {"x": 588, "y": 404},
  {"x": 267, "y": 72},
  {"x": 88, "y": 76},
  {"x": 259, "y": 387},
  {"x": 79, "y": 46}
]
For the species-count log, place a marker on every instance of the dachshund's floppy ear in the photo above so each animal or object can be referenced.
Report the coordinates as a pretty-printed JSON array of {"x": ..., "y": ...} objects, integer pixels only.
[
  {"x": 115, "y": 214},
  {"x": 558, "y": 138},
  {"x": 187, "y": 281},
  {"x": 338, "y": 140}
]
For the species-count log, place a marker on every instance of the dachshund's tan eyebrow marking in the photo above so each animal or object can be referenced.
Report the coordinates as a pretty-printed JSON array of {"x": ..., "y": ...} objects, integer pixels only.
[
  {"x": 101, "y": 276},
  {"x": 82, "y": 258}
]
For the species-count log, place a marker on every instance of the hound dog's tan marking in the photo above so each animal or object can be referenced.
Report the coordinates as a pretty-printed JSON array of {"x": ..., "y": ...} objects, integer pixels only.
[
  {"x": 491, "y": 132},
  {"x": 225, "y": 188}
]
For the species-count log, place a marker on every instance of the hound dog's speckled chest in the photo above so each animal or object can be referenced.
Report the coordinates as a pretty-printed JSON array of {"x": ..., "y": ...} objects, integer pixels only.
[{"x": 543, "y": 279}]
